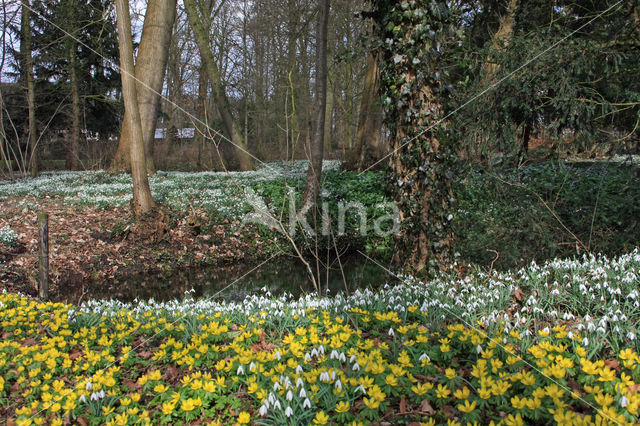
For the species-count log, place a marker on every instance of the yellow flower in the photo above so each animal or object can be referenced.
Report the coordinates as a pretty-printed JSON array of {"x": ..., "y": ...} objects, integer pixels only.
[
  {"x": 462, "y": 393},
  {"x": 371, "y": 403},
  {"x": 209, "y": 387},
  {"x": 391, "y": 380},
  {"x": 220, "y": 381},
  {"x": 466, "y": 407},
  {"x": 499, "y": 388},
  {"x": 155, "y": 375},
  {"x": 553, "y": 391},
  {"x": 342, "y": 407},
  {"x": 512, "y": 420},
  {"x": 321, "y": 418},
  {"x": 450, "y": 373},
  {"x": 606, "y": 375},
  {"x": 442, "y": 391},
  {"x": 244, "y": 418},
  {"x": 167, "y": 408},
  {"x": 484, "y": 393},
  {"x": 190, "y": 404},
  {"x": 161, "y": 388},
  {"x": 628, "y": 354},
  {"x": 604, "y": 399},
  {"x": 422, "y": 388},
  {"x": 518, "y": 403}
]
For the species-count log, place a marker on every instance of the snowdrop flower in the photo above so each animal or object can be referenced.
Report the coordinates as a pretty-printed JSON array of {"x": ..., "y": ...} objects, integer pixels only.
[
  {"x": 391, "y": 332},
  {"x": 288, "y": 411},
  {"x": 624, "y": 401},
  {"x": 240, "y": 370},
  {"x": 306, "y": 403},
  {"x": 289, "y": 395},
  {"x": 303, "y": 393},
  {"x": 263, "y": 410}
]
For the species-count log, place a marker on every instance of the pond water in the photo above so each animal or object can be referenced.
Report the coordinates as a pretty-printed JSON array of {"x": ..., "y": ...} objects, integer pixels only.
[{"x": 234, "y": 283}]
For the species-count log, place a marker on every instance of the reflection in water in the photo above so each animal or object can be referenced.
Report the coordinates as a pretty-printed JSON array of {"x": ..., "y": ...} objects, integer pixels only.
[{"x": 234, "y": 283}]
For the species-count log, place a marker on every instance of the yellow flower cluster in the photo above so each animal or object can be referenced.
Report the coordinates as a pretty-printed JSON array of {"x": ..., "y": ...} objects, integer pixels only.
[{"x": 356, "y": 367}]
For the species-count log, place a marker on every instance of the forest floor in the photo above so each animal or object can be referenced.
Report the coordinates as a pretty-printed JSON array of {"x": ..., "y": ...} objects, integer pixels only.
[{"x": 92, "y": 245}]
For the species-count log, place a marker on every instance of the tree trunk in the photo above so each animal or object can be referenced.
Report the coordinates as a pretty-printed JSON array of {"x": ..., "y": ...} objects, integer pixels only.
[
  {"x": 231, "y": 126},
  {"x": 328, "y": 119},
  {"x": 500, "y": 40},
  {"x": 317, "y": 143},
  {"x": 367, "y": 149},
  {"x": 72, "y": 151},
  {"x": 201, "y": 113},
  {"x": 150, "y": 67},
  {"x": 3, "y": 140},
  {"x": 142, "y": 201},
  {"x": 27, "y": 72}
]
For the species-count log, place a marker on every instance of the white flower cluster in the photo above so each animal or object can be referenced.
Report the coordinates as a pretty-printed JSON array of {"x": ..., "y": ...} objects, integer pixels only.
[
  {"x": 595, "y": 296},
  {"x": 221, "y": 192},
  {"x": 8, "y": 236}
]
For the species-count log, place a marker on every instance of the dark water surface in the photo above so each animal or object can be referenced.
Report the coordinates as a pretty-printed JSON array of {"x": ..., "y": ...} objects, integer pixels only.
[{"x": 235, "y": 282}]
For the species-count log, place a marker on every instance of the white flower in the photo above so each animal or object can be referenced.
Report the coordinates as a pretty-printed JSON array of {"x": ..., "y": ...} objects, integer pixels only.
[
  {"x": 288, "y": 411},
  {"x": 263, "y": 410},
  {"x": 306, "y": 403},
  {"x": 624, "y": 401}
]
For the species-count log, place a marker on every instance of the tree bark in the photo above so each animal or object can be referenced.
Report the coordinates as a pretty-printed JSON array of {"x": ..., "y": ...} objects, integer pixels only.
[
  {"x": 142, "y": 201},
  {"x": 314, "y": 173},
  {"x": 72, "y": 151},
  {"x": 231, "y": 126},
  {"x": 367, "y": 149},
  {"x": 27, "y": 72},
  {"x": 150, "y": 67}
]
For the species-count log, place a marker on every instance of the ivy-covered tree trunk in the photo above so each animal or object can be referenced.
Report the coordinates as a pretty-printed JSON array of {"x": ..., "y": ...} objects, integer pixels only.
[{"x": 410, "y": 37}]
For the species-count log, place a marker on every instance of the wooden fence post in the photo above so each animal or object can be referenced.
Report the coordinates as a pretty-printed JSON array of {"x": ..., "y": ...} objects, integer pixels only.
[{"x": 43, "y": 260}]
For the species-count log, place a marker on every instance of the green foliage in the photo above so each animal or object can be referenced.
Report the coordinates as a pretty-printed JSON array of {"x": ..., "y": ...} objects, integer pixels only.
[
  {"x": 531, "y": 214},
  {"x": 566, "y": 72}
]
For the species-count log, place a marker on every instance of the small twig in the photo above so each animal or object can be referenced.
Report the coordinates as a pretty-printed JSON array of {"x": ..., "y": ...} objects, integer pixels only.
[{"x": 493, "y": 261}]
